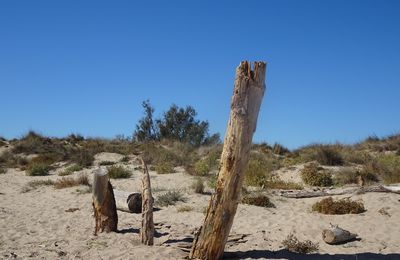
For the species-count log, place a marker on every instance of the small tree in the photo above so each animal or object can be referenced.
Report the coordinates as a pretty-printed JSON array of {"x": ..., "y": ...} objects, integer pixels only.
[
  {"x": 145, "y": 129},
  {"x": 180, "y": 124}
]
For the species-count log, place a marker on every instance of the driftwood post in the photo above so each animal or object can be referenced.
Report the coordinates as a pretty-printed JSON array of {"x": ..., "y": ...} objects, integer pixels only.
[
  {"x": 147, "y": 230},
  {"x": 105, "y": 211},
  {"x": 209, "y": 242}
]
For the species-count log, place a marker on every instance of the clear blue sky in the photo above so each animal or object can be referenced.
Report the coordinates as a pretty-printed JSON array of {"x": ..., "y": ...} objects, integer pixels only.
[{"x": 85, "y": 66}]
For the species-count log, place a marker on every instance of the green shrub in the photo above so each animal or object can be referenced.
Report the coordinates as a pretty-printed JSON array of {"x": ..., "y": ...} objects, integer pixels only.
[
  {"x": 118, "y": 172},
  {"x": 38, "y": 169},
  {"x": 276, "y": 183},
  {"x": 70, "y": 169},
  {"x": 198, "y": 186},
  {"x": 83, "y": 157},
  {"x": 339, "y": 207},
  {"x": 292, "y": 244},
  {"x": 202, "y": 168},
  {"x": 170, "y": 198},
  {"x": 164, "y": 168},
  {"x": 389, "y": 168},
  {"x": 313, "y": 175},
  {"x": 329, "y": 155},
  {"x": 259, "y": 169},
  {"x": 258, "y": 200}
]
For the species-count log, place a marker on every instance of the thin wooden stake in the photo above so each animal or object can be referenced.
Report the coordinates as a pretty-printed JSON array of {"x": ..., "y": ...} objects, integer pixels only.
[{"x": 147, "y": 230}]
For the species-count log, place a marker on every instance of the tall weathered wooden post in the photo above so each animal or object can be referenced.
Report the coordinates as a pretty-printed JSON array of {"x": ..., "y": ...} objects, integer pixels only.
[{"x": 209, "y": 242}]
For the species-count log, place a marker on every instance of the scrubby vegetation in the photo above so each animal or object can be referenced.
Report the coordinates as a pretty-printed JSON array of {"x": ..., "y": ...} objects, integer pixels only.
[
  {"x": 170, "y": 198},
  {"x": 38, "y": 169},
  {"x": 259, "y": 200},
  {"x": 185, "y": 208},
  {"x": 292, "y": 244},
  {"x": 66, "y": 182},
  {"x": 106, "y": 163},
  {"x": 338, "y": 207},
  {"x": 118, "y": 172},
  {"x": 314, "y": 175},
  {"x": 70, "y": 169},
  {"x": 259, "y": 168}
]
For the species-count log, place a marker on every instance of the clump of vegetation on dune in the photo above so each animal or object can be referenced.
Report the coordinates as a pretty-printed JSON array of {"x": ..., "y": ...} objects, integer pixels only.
[
  {"x": 66, "y": 182},
  {"x": 118, "y": 172},
  {"x": 70, "y": 169},
  {"x": 314, "y": 175},
  {"x": 170, "y": 198},
  {"x": 259, "y": 200},
  {"x": 338, "y": 207},
  {"x": 32, "y": 185},
  {"x": 293, "y": 244},
  {"x": 198, "y": 186}
]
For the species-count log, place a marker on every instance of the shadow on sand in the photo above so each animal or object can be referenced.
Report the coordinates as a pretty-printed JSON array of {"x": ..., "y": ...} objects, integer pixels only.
[{"x": 285, "y": 254}]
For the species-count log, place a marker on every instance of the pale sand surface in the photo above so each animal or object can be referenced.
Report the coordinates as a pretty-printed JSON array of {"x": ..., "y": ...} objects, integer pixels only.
[{"x": 35, "y": 224}]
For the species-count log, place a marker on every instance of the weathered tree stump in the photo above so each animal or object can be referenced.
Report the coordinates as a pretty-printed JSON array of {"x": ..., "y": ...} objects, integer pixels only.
[
  {"x": 105, "y": 210},
  {"x": 128, "y": 201},
  {"x": 147, "y": 230},
  {"x": 209, "y": 242},
  {"x": 337, "y": 235}
]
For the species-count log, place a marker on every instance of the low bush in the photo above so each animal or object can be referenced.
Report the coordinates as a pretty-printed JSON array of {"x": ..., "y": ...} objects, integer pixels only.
[
  {"x": 259, "y": 169},
  {"x": 164, "y": 168},
  {"x": 313, "y": 175},
  {"x": 118, "y": 172},
  {"x": 38, "y": 169},
  {"x": 329, "y": 155},
  {"x": 83, "y": 157},
  {"x": 70, "y": 169},
  {"x": 212, "y": 181},
  {"x": 66, "y": 182},
  {"x": 338, "y": 207},
  {"x": 292, "y": 244},
  {"x": 258, "y": 200},
  {"x": 198, "y": 186},
  {"x": 276, "y": 183},
  {"x": 170, "y": 198}
]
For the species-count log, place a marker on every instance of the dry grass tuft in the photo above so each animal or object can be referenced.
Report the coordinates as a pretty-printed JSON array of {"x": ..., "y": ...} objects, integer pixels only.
[
  {"x": 66, "y": 182},
  {"x": 170, "y": 198},
  {"x": 316, "y": 176},
  {"x": 292, "y": 244},
  {"x": 339, "y": 207},
  {"x": 185, "y": 208},
  {"x": 118, "y": 172},
  {"x": 32, "y": 185},
  {"x": 198, "y": 186}
]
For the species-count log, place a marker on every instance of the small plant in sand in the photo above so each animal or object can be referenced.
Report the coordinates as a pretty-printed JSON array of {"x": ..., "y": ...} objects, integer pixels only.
[
  {"x": 106, "y": 163},
  {"x": 198, "y": 186},
  {"x": 66, "y": 182},
  {"x": 170, "y": 198},
  {"x": 276, "y": 183},
  {"x": 32, "y": 185},
  {"x": 258, "y": 200},
  {"x": 292, "y": 244},
  {"x": 2, "y": 170},
  {"x": 118, "y": 172},
  {"x": 316, "y": 176},
  {"x": 70, "y": 169},
  {"x": 212, "y": 181},
  {"x": 185, "y": 208},
  {"x": 338, "y": 207}
]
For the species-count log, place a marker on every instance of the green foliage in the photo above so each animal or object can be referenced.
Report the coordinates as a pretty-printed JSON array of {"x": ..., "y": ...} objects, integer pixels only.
[
  {"x": 292, "y": 244},
  {"x": 38, "y": 169},
  {"x": 164, "y": 167},
  {"x": 389, "y": 168},
  {"x": 259, "y": 169},
  {"x": 276, "y": 183},
  {"x": 83, "y": 157},
  {"x": 146, "y": 129},
  {"x": 170, "y": 198},
  {"x": 316, "y": 176},
  {"x": 198, "y": 186},
  {"x": 212, "y": 181},
  {"x": 258, "y": 200},
  {"x": 118, "y": 172},
  {"x": 70, "y": 169},
  {"x": 339, "y": 207}
]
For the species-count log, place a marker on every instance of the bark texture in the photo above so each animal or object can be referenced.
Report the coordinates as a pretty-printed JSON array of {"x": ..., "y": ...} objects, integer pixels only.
[
  {"x": 337, "y": 235},
  {"x": 209, "y": 242},
  {"x": 147, "y": 230},
  {"x": 105, "y": 210}
]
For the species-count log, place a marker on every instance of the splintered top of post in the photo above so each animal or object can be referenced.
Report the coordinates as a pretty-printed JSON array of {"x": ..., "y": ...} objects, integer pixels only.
[
  {"x": 100, "y": 172},
  {"x": 258, "y": 72}
]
